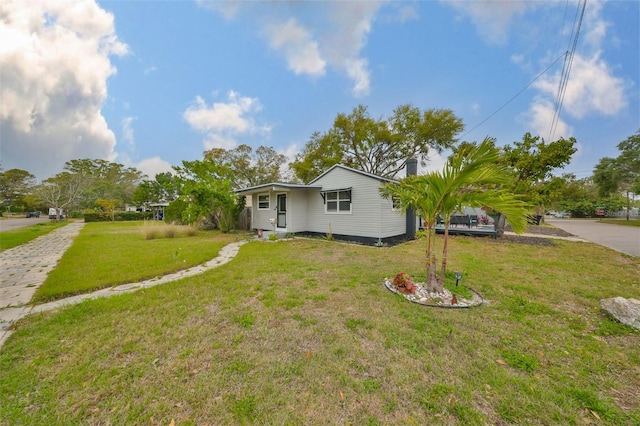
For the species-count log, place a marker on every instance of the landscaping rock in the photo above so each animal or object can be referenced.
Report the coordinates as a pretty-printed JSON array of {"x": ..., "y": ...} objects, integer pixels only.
[{"x": 627, "y": 311}]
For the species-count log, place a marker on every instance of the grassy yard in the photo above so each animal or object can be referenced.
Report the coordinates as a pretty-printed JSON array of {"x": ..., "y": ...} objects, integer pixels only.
[
  {"x": 124, "y": 252},
  {"x": 16, "y": 237},
  {"x": 303, "y": 332},
  {"x": 623, "y": 222}
]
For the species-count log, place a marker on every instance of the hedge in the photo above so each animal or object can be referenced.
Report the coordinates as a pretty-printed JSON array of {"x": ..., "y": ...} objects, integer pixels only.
[{"x": 117, "y": 216}]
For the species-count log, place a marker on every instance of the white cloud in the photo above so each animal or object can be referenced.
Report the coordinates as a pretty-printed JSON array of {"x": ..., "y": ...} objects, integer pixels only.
[
  {"x": 333, "y": 37},
  {"x": 591, "y": 88},
  {"x": 539, "y": 117},
  {"x": 350, "y": 26},
  {"x": 223, "y": 122},
  {"x": 127, "y": 131},
  {"x": 54, "y": 66},
  {"x": 492, "y": 18},
  {"x": 297, "y": 46},
  {"x": 153, "y": 166}
]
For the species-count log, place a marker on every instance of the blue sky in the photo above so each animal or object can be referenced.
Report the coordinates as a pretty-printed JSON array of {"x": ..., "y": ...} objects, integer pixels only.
[{"x": 152, "y": 83}]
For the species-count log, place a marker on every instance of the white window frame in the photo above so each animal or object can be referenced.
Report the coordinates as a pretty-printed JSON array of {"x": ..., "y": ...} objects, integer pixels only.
[
  {"x": 266, "y": 194},
  {"x": 337, "y": 201}
]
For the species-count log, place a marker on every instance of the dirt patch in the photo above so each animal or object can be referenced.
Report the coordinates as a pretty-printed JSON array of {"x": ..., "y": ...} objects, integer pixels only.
[
  {"x": 540, "y": 241},
  {"x": 543, "y": 230},
  {"x": 531, "y": 241}
]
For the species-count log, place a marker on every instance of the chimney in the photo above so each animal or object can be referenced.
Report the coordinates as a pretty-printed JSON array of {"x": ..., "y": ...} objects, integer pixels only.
[{"x": 412, "y": 169}]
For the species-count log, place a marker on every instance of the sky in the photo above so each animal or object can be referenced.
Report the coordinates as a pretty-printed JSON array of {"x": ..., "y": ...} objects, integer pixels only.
[{"x": 149, "y": 84}]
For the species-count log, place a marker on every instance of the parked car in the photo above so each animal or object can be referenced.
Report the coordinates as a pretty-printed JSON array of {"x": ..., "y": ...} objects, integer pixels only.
[{"x": 33, "y": 214}]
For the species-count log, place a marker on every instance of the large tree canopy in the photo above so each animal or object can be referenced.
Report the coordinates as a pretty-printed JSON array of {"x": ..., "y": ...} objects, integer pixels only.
[
  {"x": 208, "y": 194},
  {"x": 15, "y": 185},
  {"x": 105, "y": 180},
  {"x": 621, "y": 173},
  {"x": 378, "y": 146},
  {"x": 531, "y": 162},
  {"x": 249, "y": 168}
]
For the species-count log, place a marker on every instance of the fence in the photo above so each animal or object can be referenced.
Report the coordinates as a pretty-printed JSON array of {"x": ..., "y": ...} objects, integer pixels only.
[{"x": 244, "y": 219}]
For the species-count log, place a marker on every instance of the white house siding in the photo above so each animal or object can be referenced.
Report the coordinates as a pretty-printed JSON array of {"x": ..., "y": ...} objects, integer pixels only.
[
  {"x": 261, "y": 218},
  {"x": 297, "y": 205},
  {"x": 371, "y": 216}
]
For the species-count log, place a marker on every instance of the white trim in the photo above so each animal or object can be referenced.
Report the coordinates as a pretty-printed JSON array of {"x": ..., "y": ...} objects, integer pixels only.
[{"x": 337, "y": 202}]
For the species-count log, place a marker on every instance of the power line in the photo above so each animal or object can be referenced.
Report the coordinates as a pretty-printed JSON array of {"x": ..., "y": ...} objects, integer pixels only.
[
  {"x": 514, "y": 96},
  {"x": 566, "y": 71}
]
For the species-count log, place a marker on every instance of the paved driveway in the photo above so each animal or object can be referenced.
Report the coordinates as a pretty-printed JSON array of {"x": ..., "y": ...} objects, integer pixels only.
[
  {"x": 21, "y": 222},
  {"x": 625, "y": 239}
]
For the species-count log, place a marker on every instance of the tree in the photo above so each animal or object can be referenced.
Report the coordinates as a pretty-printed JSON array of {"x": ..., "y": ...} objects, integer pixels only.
[
  {"x": 163, "y": 189},
  {"x": 207, "y": 189},
  {"x": 106, "y": 180},
  {"x": 472, "y": 177},
  {"x": 62, "y": 190},
  {"x": 531, "y": 162},
  {"x": 622, "y": 173},
  {"x": 15, "y": 186},
  {"x": 249, "y": 168},
  {"x": 380, "y": 147}
]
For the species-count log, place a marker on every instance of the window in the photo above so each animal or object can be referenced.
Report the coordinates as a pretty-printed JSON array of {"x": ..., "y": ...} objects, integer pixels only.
[
  {"x": 263, "y": 201},
  {"x": 338, "y": 202},
  {"x": 395, "y": 203}
]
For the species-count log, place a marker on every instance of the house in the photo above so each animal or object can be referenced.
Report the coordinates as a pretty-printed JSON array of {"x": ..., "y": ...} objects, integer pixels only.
[{"x": 342, "y": 201}]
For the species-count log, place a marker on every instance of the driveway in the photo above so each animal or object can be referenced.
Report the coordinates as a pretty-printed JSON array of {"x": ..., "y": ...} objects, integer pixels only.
[
  {"x": 625, "y": 239},
  {"x": 21, "y": 222}
]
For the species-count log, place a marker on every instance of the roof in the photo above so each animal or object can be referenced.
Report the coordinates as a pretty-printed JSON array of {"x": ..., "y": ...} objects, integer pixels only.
[
  {"x": 371, "y": 175},
  {"x": 276, "y": 186}
]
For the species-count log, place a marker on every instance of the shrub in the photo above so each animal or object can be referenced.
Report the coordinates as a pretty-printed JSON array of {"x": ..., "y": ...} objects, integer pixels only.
[{"x": 404, "y": 283}]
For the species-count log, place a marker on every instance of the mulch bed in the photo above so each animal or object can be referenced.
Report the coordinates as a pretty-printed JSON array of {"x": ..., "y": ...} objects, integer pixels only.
[{"x": 535, "y": 241}]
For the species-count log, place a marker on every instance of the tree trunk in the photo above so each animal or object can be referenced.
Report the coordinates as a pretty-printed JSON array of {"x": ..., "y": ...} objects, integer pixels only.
[
  {"x": 628, "y": 205},
  {"x": 500, "y": 223},
  {"x": 443, "y": 268}
]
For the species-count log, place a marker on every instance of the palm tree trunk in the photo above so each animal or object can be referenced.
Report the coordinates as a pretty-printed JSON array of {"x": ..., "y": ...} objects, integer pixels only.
[{"x": 443, "y": 268}]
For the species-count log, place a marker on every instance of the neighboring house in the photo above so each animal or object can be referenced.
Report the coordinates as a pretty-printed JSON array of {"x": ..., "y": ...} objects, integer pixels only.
[{"x": 342, "y": 201}]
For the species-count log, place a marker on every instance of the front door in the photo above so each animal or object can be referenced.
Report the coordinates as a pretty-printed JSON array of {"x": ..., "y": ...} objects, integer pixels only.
[{"x": 282, "y": 210}]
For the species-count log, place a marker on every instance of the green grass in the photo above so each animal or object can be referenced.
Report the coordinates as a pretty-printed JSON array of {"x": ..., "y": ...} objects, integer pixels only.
[
  {"x": 623, "y": 221},
  {"x": 304, "y": 332},
  {"x": 107, "y": 254},
  {"x": 16, "y": 237}
]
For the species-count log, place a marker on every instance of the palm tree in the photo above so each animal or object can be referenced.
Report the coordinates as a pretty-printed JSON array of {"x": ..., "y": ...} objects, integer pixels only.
[{"x": 471, "y": 177}]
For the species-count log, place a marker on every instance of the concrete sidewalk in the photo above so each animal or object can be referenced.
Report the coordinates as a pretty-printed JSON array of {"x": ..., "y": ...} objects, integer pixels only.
[{"x": 25, "y": 268}]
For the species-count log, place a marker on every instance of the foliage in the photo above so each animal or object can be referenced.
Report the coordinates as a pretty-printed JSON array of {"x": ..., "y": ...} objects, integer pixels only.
[
  {"x": 163, "y": 189},
  {"x": 381, "y": 146},
  {"x": 404, "y": 283},
  {"x": 108, "y": 206},
  {"x": 531, "y": 162},
  {"x": 15, "y": 186},
  {"x": 622, "y": 173},
  {"x": 174, "y": 211},
  {"x": 62, "y": 191},
  {"x": 207, "y": 188},
  {"x": 470, "y": 179},
  {"x": 104, "y": 180},
  {"x": 249, "y": 168},
  {"x": 117, "y": 216}
]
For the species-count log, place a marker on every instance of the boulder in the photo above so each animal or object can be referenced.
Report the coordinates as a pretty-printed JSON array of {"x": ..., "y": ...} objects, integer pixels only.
[{"x": 627, "y": 311}]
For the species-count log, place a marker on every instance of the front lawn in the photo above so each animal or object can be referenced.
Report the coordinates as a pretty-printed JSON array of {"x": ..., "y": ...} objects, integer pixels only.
[
  {"x": 106, "y": 254},
  {"x": 303, "y": 332}
]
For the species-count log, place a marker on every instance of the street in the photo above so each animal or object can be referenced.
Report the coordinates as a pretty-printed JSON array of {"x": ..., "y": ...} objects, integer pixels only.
[{"x": 625, "y": 239}]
